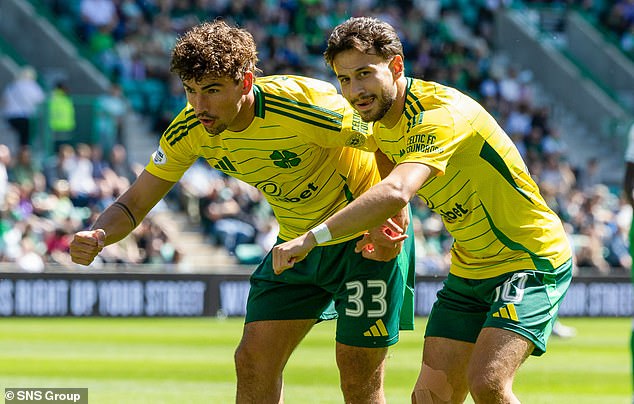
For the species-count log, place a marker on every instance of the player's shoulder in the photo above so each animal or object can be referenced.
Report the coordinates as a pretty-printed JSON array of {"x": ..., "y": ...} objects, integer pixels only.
[
  {"x": 295, "y": 87},
  {"x": 438, "y": 101},
  {"x": 430, "y": 94}
]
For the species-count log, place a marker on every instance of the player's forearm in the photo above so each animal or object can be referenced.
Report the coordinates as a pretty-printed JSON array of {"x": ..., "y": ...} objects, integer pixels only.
[
  {"x": 371, "y": 209},
  {"x": 117, "y": 221},
  {"x": 127, "y": 212},
  {"x": 384, "y": 200}
]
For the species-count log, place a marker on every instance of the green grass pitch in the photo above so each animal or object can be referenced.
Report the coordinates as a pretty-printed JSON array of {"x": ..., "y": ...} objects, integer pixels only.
[{"x": 191, "y": 361}]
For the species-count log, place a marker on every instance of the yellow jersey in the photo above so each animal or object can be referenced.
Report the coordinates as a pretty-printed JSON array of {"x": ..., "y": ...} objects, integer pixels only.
[
  {"x": 483, "y": 191},
  {"x": 294, "y": 151}
]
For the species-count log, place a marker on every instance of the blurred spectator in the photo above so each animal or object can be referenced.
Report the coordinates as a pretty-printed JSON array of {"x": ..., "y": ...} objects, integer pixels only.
[
  {"x": 519, "y": 121},
  {"x": 29, "y": 259},
  {"x": 589, "y": 176},
  {"x": 61, "y": 115},
  {"x": 627, "y": 41},
  {"x": 121, "y": 166},
  {"x": 110, "y": 112},
  {"x": 618, "y": 254},
  {"x": 194, "y": 186},
  {"x": 25, "y": 171},
  {"x": 557, "y": 173},
  {"x": 61, "y": 209},
  {"x": 432, "y": 252},
  {"x": 59, "y": 166},
  {"x": 20, "y": 100},
  {"x": 5, "y": 162},
  {"x": 170, "y": 105},
  {"x": 157, "y": 245},
  {"x": 553, "y": 143},
  {"x": 228, "y": 222},
  {"x": 588, "y": 248},
  {"x": 100, "y": 167},
  {"x": 57, "y": 245},
  {"x": 95, "y": 15},
  {"x": 618, "y": 16},
  {"x": 83, "y": 187}
]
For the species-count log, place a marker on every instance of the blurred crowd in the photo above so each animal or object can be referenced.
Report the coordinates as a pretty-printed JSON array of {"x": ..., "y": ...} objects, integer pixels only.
[
  {"x": 618, "y": 18},
  {"x": 448, "y": 41},
  {"x": 44, "y": 202}
]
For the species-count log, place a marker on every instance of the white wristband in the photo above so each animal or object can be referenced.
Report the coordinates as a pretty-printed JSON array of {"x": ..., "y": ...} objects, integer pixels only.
[{"x": 321, "y": 233}]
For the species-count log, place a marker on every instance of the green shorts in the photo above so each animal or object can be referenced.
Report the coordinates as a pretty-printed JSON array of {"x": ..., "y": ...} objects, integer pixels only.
[
  {"x": 372, "y": 300},
  {"x": 525, "y": 302}
]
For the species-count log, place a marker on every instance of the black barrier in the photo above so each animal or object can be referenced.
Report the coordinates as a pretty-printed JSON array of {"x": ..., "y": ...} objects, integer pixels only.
[
  {"x": 111, "y": 294},
  {"x": 194, "y": 295}
]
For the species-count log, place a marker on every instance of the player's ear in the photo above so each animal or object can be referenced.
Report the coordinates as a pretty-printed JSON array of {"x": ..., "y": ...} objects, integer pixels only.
[
  {"x": 398, "y": 67},
  {"x": 247, "y": 82}
]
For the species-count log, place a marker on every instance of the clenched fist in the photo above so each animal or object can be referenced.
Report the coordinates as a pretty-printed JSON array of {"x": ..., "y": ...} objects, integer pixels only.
[{"x": 86, "y": 245}]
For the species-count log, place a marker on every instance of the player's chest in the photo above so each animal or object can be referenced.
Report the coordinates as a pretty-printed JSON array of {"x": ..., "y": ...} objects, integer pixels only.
[{"x": 251, "y": 159}]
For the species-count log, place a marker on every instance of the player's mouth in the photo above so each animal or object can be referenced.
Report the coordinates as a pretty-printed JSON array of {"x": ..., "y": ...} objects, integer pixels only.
[
  {"x": 365, "y": 103},
  {"x": 207, "y": 121}
]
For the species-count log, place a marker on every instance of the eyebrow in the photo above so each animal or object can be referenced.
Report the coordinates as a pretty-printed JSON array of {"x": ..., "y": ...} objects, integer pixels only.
[
  {"x": 204, "y": 88},
  {"x": 364, "y": 67},
  {"x": 208, "y": 86}
]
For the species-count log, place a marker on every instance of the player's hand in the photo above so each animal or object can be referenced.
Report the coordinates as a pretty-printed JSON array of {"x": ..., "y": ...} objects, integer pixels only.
[
  {"x": 86, "y": 245},
  {"x": 287, "y": 254},
  {"x": 388, "y": 235},
  {"x": 382, "y": 243}
]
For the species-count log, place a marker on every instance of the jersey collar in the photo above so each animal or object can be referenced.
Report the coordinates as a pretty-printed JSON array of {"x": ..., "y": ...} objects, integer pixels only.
[{"x": 259, "y": 101}]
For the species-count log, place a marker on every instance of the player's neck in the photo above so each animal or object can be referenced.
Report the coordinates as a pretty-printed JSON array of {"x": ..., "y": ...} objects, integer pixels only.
[
  {"x": 393, "y": 115},
  {"x": 246, "y": 114}
]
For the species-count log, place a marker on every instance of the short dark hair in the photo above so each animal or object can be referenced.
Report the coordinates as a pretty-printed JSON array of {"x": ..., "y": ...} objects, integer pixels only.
[
  {"x": 365, "y": 34},
  {"x": 214, "y": 49}
]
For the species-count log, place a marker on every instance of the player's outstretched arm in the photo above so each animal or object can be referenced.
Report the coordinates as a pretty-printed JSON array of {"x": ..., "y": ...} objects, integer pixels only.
[
  {"x": 383, "y": 243},
  {"x": 120, "y": 218},
  {"x": 381, "y": 202}
]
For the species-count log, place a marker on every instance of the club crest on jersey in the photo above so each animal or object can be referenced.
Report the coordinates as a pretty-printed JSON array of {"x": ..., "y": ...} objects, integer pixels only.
[
  {"x": 355, "y": 140},
  {"x": 159, "y": 157}
]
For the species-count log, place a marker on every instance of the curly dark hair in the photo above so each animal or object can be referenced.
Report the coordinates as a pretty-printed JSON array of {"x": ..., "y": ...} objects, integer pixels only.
[
  {"x": 365, "y": 34},
  {"x": 214, "y": 49}
]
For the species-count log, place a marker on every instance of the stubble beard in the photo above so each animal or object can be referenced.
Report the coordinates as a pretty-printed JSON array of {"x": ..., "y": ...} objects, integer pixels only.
[
  {"x": 216, "y": 130},
  {"x": 385, "y": 102}
]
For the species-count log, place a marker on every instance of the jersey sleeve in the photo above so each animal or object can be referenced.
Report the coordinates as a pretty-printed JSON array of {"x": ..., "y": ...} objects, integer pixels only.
[
  {"x": 176, "y": 151},
  {"x": 431, "y": 142},
  {"x": 355, "y": 132}
]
